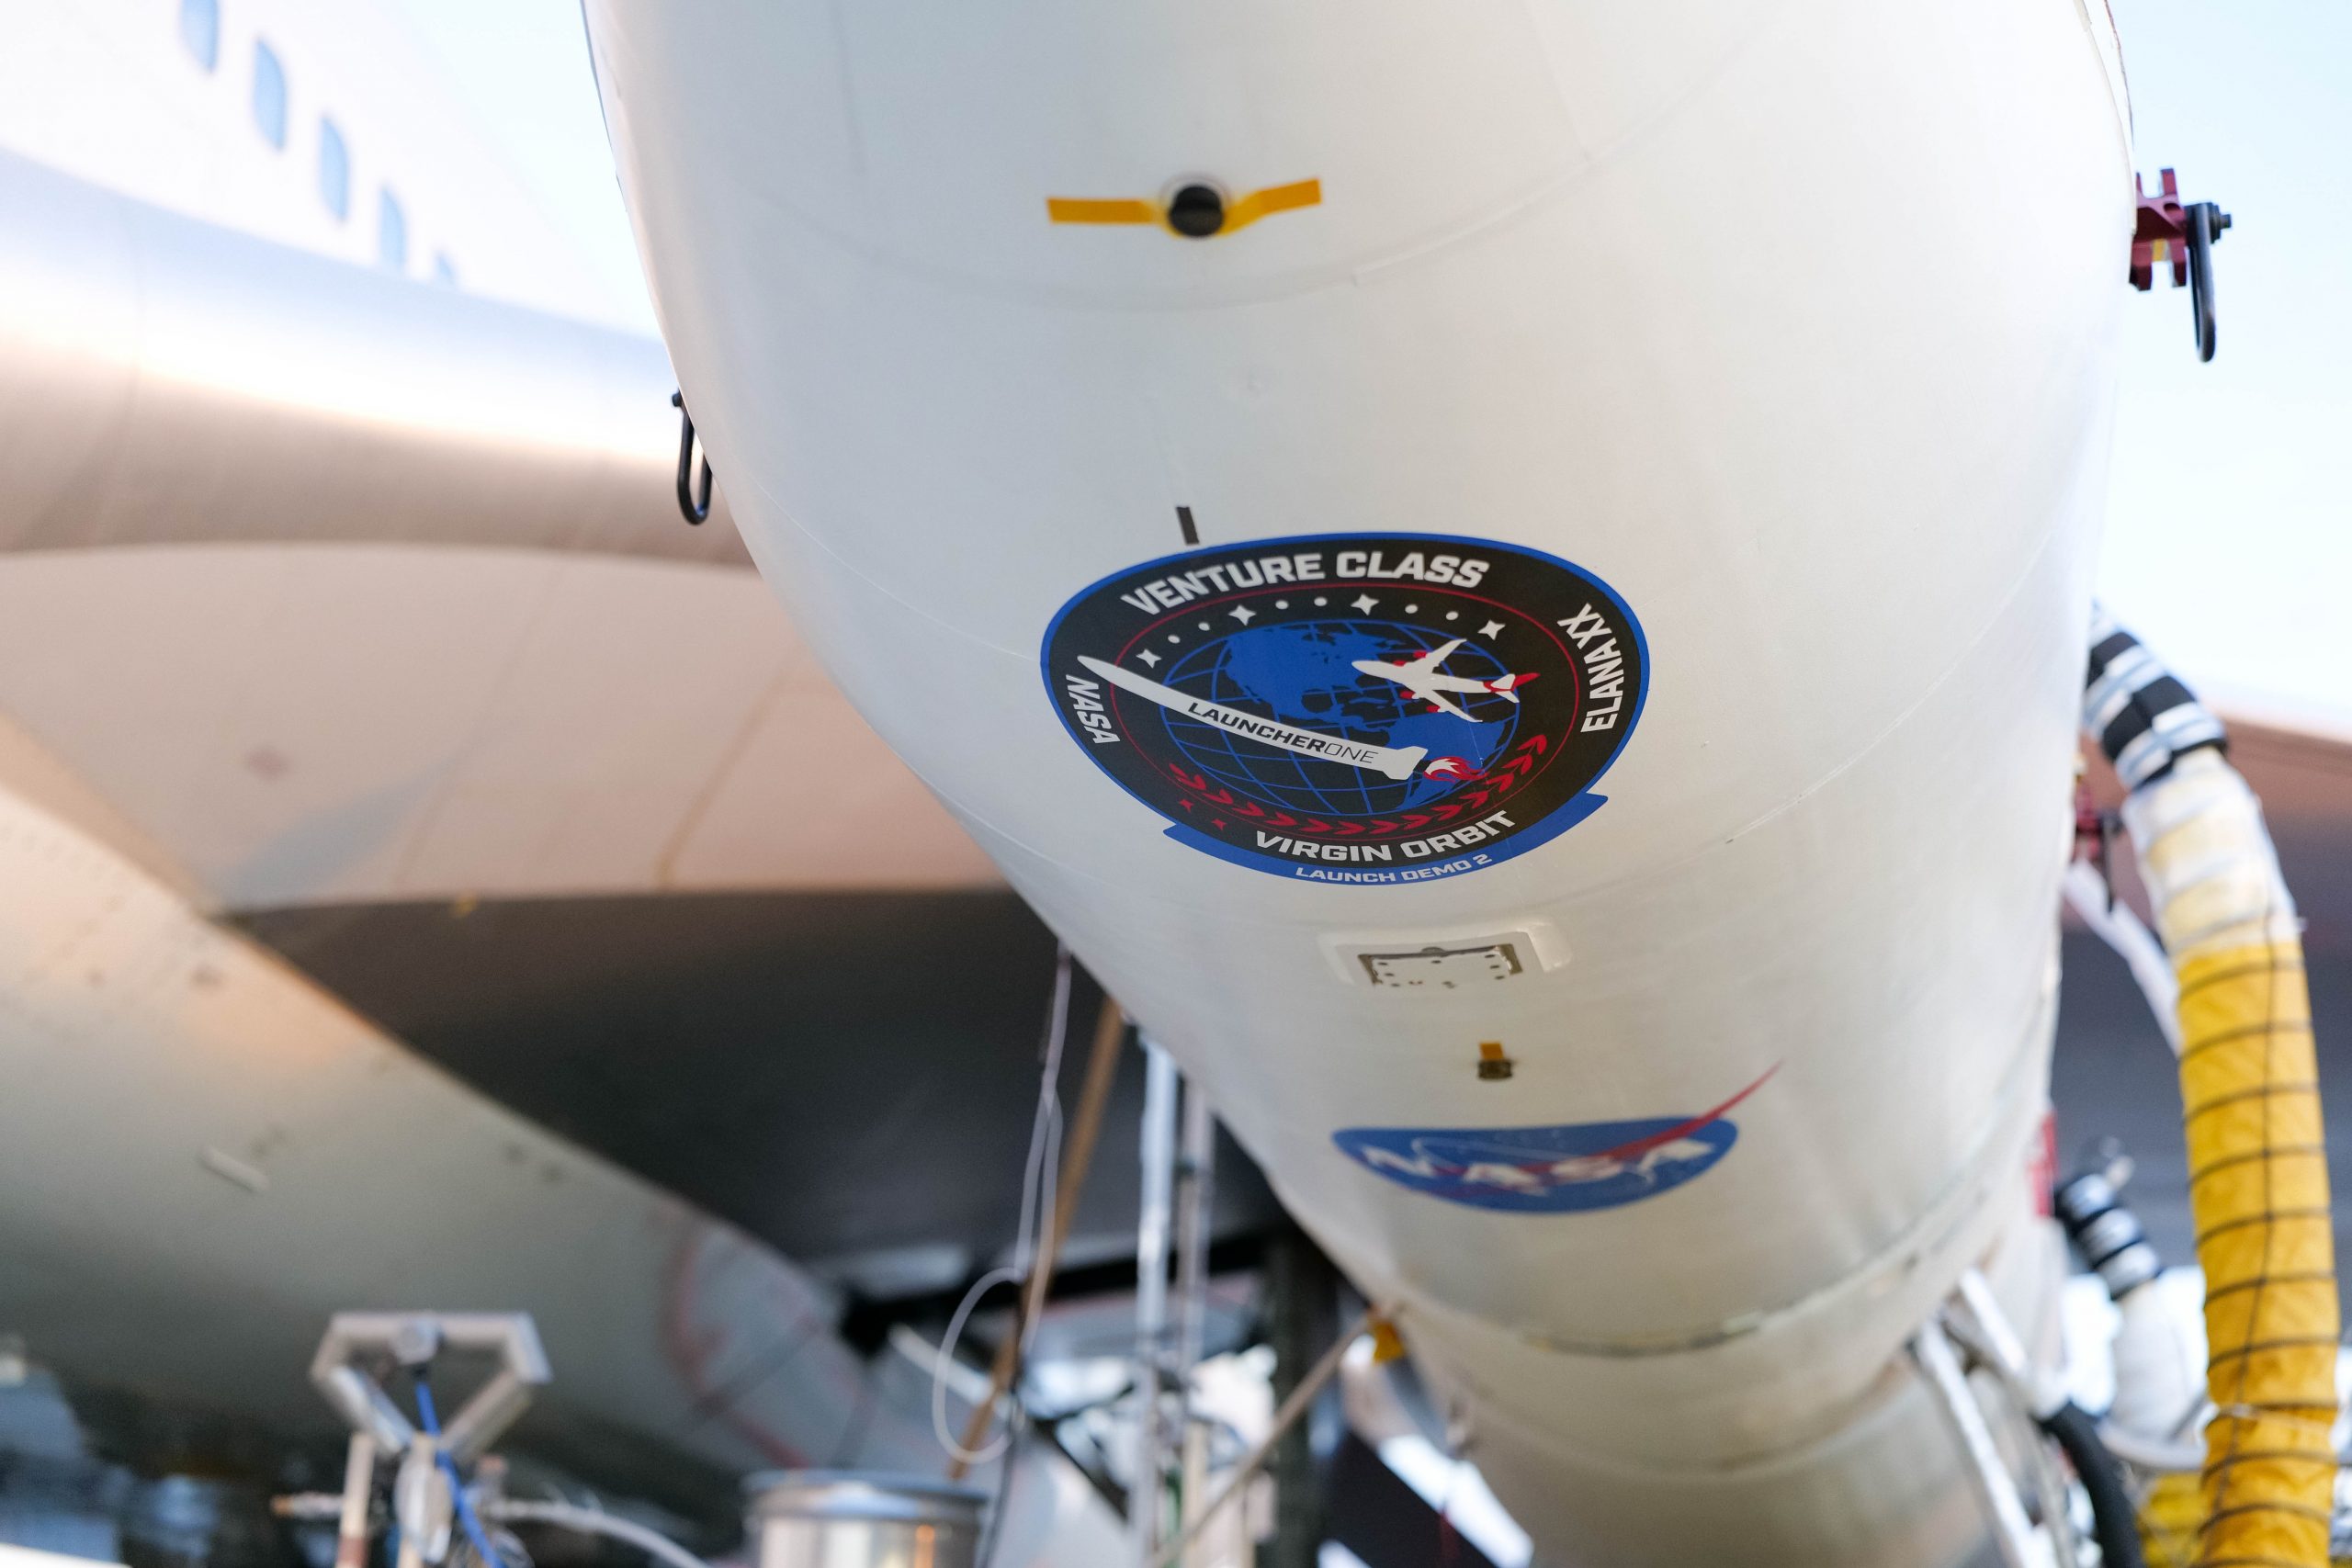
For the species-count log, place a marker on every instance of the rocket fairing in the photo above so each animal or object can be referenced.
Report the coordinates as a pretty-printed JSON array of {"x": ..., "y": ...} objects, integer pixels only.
[{"x": 1620, "y": 524}]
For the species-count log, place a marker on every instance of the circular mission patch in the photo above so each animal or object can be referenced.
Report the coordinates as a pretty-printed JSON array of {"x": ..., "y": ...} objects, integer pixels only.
[{"x": 1355, "y": 709}]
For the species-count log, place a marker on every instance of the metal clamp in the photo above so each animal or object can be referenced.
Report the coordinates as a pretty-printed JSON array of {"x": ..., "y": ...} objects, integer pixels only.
[
  {"x": 2165, "y": 228},
  {"x": 422, "y": 1498},
  {"x": 411, "y": 1338}
]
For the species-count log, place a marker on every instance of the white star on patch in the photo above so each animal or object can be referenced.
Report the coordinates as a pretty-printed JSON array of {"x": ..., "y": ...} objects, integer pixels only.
[
  {"x": 1492, "y": 628},
  {"x": 1244, "y": 613},
  {"x": 1147, "y": 656},
  {"x": 1364, "y": 602}
]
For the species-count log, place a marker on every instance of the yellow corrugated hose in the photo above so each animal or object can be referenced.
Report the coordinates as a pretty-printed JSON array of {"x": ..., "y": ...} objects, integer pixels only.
[
  {"x": 2170, "y": 1517},
  {"x": 2257, "y": 1163}
]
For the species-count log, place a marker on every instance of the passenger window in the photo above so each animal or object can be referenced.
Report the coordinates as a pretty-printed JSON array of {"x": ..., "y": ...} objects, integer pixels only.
[
  {"x": 269, "y": 95},
  {"x": 200, "y": 31},
  {"x": 334, "y": 170},
  {"x": 392, "y": 233}
]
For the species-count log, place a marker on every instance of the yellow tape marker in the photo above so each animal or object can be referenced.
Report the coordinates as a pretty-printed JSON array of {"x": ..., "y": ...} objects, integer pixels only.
[
  {"x": 1245, "y": 210},
  {"x": 1272, "y": 200},
  {"x": 1077, "y": 209}
]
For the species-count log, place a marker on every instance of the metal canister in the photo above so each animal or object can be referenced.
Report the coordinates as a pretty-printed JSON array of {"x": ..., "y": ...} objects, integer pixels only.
[{"x": 832, "y": 1518}]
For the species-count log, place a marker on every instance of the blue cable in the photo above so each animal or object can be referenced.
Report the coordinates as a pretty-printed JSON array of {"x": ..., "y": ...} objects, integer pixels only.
[{"x": 431, "y": 1423}]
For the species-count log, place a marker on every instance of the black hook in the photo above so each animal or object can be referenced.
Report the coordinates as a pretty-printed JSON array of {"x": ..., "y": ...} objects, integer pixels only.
[
  {"x": 2206, "y": 222},
  {"x": 695, "y": 504}
]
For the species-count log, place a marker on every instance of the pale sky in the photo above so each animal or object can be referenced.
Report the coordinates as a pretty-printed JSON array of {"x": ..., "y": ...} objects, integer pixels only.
[
  {"x": 2229, "y": 540},
  {"x": 2229, "y": 544}
]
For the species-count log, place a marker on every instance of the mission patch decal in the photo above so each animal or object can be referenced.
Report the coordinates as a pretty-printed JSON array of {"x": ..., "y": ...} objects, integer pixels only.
[
  {"x": 1549, "y": 1170},
  {"x": 1372, "y": 708}
]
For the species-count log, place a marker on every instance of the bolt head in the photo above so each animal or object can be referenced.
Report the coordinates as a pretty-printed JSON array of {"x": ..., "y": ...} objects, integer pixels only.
[
  {"x": 417, "y": 1342},
  {"x": 1196, "y": 211}
]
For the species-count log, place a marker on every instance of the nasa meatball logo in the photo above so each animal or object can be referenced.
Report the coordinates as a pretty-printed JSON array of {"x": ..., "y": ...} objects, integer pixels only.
[
  {"x": 1549, "y": 1170},
  {"x": 1373, "y": 709}
]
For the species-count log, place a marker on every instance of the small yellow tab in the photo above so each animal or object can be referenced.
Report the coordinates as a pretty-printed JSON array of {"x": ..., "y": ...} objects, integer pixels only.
[
  {"x": 1272, "y": 200},
  {"x": 1244, "y": 211},
  {"x": 1387, "y": 1344},
  {"x": 1079, "y": 209},
  {"x": 1491, "y": 1050}
]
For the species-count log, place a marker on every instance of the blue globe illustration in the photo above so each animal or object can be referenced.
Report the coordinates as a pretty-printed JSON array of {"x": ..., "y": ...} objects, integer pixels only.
[{"x": 1303, "y": 673}]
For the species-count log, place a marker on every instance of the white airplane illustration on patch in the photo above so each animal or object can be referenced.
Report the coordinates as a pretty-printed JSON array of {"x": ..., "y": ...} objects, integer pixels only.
[{"x": 1420, "y": 678}]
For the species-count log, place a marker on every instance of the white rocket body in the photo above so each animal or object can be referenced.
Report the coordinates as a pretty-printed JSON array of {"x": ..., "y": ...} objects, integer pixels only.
[{"x": 1787, "y": 324}]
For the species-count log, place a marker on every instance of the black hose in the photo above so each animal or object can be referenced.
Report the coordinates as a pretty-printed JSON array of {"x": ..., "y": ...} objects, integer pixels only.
[{"x": 2114, "y": 1519}]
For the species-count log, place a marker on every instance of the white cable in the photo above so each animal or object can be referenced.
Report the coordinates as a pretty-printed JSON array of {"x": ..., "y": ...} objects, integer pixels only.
[
  {"x": 1045, "y": 1147},
  {"x": 595, "y": 1521},
  {"x": 1038, "y": 1170},
  {"x": 1040, "y": 1182},
  {"x": 2160, "y": 1455},
  {"x": 1050, "y": 1193},
  {"x": 2090, "y": 897},
  {"x": 947, "y": 1358}
]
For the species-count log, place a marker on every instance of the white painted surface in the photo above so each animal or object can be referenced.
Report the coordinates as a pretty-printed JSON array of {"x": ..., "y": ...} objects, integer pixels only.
[
  {"x": 320, "y": 586},
  {"x": 1694, "y": 298},
  {"x": 321, "y": 723},
  {"x": 202, "y": 1150}
]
